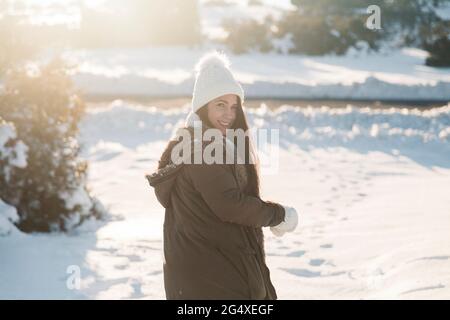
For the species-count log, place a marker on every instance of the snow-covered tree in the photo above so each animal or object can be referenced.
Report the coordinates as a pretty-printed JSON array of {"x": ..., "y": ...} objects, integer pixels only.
[
  {"x": 50, "y": 192},
  {"x": 13, "y": 154}
]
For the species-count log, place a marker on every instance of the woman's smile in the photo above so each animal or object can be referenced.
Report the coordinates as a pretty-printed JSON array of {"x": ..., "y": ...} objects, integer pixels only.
[{"x": 224, "y": 124}]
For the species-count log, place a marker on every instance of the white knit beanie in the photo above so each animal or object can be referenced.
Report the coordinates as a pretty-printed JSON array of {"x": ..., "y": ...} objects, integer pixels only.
[{"x": 213, "y": 79}]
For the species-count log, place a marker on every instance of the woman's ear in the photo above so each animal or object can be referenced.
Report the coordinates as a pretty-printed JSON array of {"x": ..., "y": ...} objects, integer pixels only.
[{"x": 203, "y": 115}]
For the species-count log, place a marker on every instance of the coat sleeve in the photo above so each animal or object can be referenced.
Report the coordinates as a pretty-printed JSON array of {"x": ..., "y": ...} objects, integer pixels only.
[{"x": 218, "y": 187}]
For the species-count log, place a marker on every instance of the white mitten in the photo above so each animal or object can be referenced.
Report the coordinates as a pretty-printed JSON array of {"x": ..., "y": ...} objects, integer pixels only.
[{"x": 288, "y": 225}]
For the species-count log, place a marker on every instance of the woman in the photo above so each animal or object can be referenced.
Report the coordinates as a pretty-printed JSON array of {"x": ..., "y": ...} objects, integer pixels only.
[{"x": 213, "y": 239}]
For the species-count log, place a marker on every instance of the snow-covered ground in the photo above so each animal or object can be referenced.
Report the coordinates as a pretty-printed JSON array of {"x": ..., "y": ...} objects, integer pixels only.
[
  {"x": 391, "y": 74},
  {"x": 168, "y": 71},
  {"x": 372, "y": 188}
]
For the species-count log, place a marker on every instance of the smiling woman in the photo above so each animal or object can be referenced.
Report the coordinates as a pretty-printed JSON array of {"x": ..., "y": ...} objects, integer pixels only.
[
  {"x": 213, "y": 238},
  {"x": 221, "y": 112}
]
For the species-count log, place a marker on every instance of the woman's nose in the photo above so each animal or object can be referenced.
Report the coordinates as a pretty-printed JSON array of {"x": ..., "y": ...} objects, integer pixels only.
[{"x": 228, "y": 114}]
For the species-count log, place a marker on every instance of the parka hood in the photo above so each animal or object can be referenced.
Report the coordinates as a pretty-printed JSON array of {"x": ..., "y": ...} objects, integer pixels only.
[{"x": 163, "y": 179}]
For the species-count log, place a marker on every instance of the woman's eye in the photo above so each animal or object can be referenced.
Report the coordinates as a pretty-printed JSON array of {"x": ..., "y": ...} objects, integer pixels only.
[{"x": 220, "y": 105}]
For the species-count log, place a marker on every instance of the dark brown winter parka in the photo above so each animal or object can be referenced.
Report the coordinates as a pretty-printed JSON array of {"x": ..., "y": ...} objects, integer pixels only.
[{"x": 213, "y": 239}]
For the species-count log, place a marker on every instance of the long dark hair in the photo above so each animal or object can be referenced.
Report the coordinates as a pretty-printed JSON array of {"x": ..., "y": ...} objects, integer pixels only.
[{"x": 240, "y": 122}]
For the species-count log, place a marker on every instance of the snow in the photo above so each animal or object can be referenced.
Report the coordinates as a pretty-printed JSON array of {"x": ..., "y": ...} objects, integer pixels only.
[
  {"x": 167, "y": 71},
  {"x": 370, "y": 230},
  {"x": 391, "y": 74},
  {"x": 444, "y": 11},
  {"x": 10, "y": 156},
  {"x": 8, "y": 215},
  {"x": 16, "y": 155},
  {"x": 371, "y": 187},
  {"x": 78, "y": 197}
]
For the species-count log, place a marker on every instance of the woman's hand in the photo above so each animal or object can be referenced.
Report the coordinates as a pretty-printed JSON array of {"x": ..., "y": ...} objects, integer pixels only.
[{"x": 288, "y": 225}]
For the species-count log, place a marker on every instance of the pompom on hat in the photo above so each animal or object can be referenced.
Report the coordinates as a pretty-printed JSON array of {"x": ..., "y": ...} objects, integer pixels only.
[{"x": 213, "y": 79}]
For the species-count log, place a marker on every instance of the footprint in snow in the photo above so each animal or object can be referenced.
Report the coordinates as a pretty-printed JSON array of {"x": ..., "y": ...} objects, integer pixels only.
[{"x": 316, "y": 262}]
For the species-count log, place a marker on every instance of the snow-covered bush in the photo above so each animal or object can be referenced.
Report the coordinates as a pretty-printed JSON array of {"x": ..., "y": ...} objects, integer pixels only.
[
  {"x": 13, "y": 155},
  {"x": 13, "y": 152},
  {"x": 8, "y": 216},
  {"x": 49, "y": 189}
]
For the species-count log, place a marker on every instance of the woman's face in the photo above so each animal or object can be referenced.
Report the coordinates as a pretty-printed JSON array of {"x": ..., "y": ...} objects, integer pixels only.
[{"x": 222, "y": 111}]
